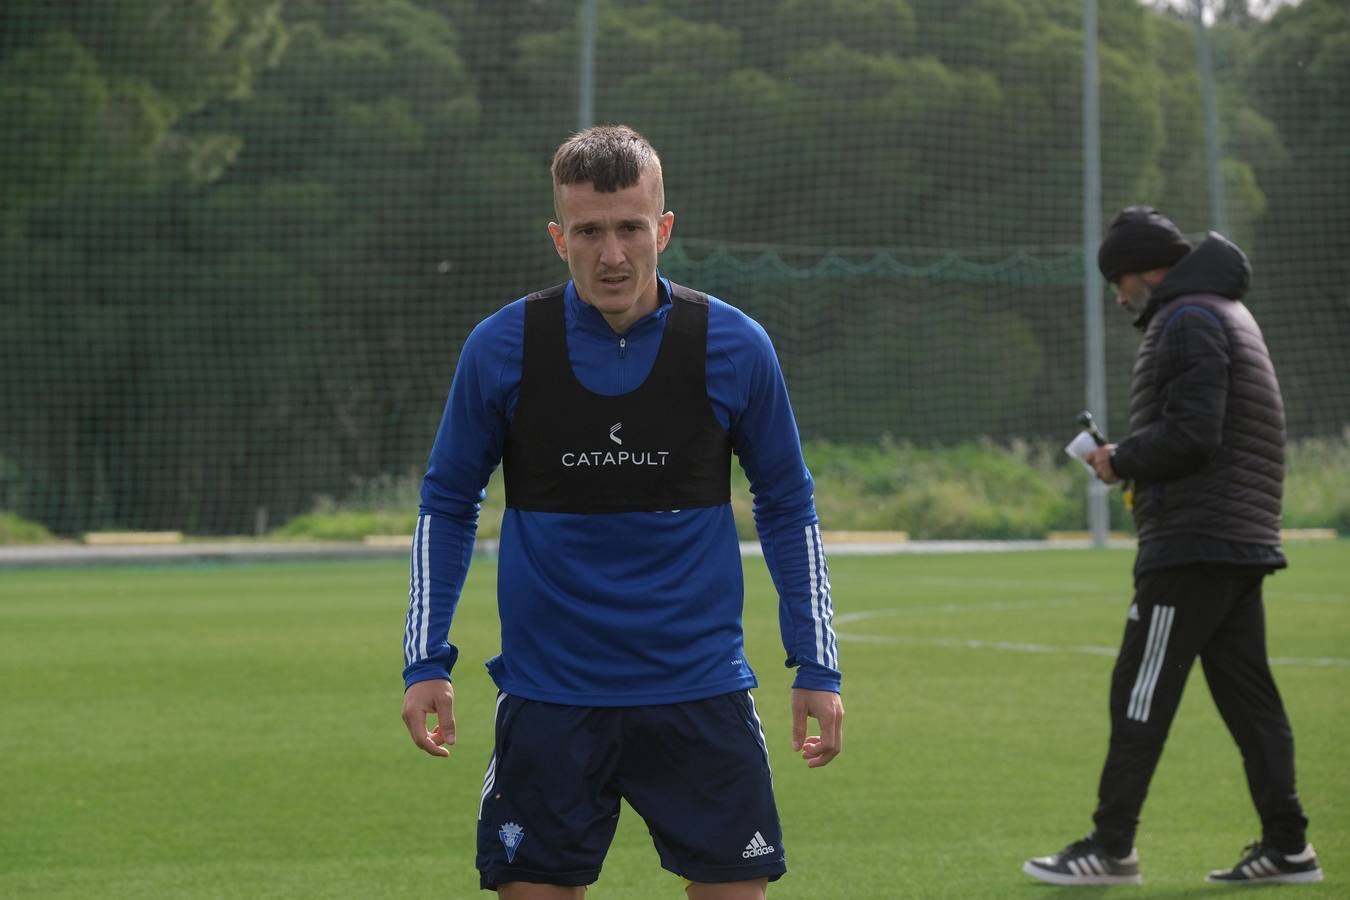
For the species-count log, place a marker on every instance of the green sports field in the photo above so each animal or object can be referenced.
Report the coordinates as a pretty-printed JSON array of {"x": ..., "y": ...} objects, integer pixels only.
[{"x": 232, "y": 730}]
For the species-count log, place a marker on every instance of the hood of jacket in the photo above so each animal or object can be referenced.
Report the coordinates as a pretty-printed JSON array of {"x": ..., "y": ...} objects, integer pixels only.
[{"x": 1215, "y": 266}]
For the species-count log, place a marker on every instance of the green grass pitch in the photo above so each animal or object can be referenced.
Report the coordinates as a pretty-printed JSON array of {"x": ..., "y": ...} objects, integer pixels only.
[{"x": 232, "y": 730}]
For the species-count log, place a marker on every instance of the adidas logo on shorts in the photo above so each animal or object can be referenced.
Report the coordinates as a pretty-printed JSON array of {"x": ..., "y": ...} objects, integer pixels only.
[{"x": 757, "y": 847}]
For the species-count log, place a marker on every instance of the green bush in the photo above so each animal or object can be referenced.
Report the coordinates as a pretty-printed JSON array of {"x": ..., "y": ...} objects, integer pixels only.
[
  {"x": 977, "y": 490},
  {"x": 382, "y": 506},
  {"x": 15, "y": 530},
  {"x": 347, "y": 525},
  {"x": 986, "y": 491},
  {"x": 1317, "y": 484}
]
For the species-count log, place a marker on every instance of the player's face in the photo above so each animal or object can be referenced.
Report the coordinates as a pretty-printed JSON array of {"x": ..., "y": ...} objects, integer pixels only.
[
  {"x": 610, "y": 242},
  {"x": 1132, "y": 292}
]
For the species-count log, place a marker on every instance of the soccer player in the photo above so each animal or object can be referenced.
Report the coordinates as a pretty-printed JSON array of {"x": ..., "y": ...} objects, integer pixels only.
[
  {"x": 1205, "y": 453},
  {"x": 614, "y": 403}
]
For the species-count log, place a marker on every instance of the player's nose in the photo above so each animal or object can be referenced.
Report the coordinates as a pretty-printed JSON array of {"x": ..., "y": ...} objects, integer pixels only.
[{"x": 611, "y": 250}]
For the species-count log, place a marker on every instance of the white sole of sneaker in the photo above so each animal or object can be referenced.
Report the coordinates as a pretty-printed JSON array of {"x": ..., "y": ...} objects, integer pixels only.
[
  {"x": 1062, "y": 879},
  {"x": 1283, "y": 878}
]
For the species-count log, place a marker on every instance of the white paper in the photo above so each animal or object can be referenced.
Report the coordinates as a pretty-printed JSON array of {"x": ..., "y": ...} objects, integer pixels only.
[{"x": 1079, "y": 447}]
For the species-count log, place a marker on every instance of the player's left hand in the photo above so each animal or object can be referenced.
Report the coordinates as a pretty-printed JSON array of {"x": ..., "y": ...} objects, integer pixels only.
[
  {"x": 436, "y": 696},
  {"x": 827, "y": 708}
]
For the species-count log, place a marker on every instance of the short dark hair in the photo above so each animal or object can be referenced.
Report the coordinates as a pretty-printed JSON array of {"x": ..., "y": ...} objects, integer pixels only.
[{"x": 609, "y": 157}]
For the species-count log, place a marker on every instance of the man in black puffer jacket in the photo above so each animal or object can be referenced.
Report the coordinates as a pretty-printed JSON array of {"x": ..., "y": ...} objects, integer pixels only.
[{"x": 1205, "y": 457}]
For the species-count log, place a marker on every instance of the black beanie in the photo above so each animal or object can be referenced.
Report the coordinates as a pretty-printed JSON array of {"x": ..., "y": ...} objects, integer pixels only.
[{"x": 1140, "y": 239}]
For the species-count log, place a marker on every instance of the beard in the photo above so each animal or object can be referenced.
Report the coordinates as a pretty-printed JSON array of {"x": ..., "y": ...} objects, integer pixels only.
[{"x": 1136, "y": 298}]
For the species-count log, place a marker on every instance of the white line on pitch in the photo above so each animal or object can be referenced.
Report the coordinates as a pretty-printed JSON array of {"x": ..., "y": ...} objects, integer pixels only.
[
  {"x": 1300, "y": 597},
  {"x": 1004, "y": 584},
  {"x": 1021, "y": 647},
  {"x": 992, "y": 606}
]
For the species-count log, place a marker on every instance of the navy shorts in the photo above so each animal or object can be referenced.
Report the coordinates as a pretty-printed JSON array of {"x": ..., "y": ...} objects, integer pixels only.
[{"x": 697, "y": 773}]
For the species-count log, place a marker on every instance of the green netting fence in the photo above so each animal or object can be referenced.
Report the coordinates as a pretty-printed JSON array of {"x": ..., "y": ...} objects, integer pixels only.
[{"x": 241, "y": 241}]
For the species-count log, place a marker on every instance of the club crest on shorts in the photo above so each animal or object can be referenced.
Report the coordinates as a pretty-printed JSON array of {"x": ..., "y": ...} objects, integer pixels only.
[{"x": 510, "y": 834}]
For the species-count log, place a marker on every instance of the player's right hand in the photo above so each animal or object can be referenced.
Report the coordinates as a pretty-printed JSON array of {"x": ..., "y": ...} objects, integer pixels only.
[
  {"x": 436, "y": 697},
  {"x": 1100, "y": 460}
]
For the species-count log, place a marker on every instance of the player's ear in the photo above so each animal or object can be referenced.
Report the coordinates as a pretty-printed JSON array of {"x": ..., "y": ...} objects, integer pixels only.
[
  {"x": 555, "y": 231},
  {"x": 665, "y": 224}
]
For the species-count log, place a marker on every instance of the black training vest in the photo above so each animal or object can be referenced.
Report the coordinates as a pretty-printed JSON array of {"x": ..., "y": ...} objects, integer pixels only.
[{"x": 658, "y": 447}]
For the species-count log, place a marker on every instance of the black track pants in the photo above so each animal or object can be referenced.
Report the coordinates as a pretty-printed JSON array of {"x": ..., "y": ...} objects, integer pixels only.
[{"x": 1213, "y": 612}]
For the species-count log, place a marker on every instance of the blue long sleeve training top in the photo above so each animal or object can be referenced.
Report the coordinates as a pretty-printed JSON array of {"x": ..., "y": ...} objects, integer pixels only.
[{"x": 629, "y": 608}]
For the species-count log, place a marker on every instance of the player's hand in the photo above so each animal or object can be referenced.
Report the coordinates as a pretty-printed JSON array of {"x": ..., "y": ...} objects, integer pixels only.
[
  {"x": 1100, "y": 460},
  {"x": 437, "y": 697},
  {"x": 826, "y": 708}
]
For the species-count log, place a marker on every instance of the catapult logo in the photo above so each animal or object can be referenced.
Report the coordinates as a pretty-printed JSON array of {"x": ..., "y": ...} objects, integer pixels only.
[{"x": 613, "y": 459}]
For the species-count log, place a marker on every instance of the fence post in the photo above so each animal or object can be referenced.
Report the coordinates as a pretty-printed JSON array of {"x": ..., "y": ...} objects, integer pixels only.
[{"x": 1099, "y": 513}]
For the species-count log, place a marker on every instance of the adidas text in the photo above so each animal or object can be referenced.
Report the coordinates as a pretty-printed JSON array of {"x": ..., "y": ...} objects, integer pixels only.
[{"x": 757, "y": 847}]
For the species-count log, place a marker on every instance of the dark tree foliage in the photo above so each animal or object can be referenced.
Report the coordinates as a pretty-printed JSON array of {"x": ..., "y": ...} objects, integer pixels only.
[{"x": 242, "y": 240}]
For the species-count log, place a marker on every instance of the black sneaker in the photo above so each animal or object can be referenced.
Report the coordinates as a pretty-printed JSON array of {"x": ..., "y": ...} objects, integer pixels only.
[
  {"x": 1266, "y": 865},
  {"x": 1084, "y": 862}
]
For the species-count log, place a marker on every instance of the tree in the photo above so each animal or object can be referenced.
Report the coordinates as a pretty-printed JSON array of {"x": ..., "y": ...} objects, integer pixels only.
[
  {"x": 1298, "y": 77},
  {"x": 119, "y": 78}
]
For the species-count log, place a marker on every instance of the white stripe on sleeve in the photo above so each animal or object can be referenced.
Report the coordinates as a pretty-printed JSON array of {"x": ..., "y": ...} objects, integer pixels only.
[
  {"x": 822, "y": 610},
  {"x": 419, "y": 595}
]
